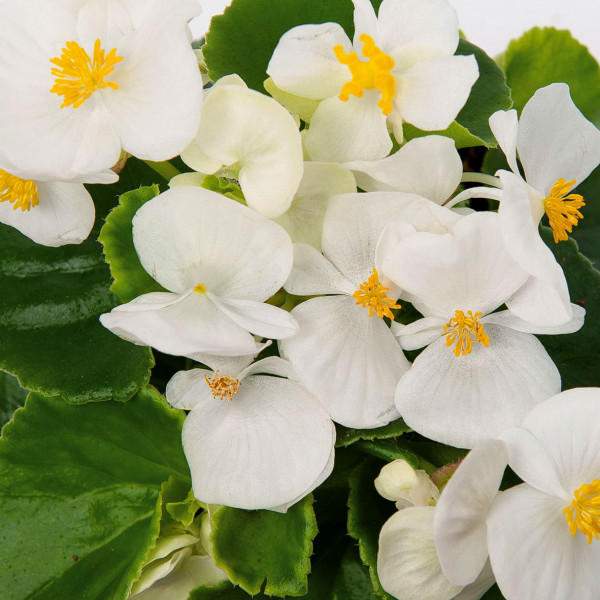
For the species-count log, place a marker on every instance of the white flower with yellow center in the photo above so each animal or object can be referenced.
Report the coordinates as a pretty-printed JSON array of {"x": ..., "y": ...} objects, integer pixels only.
[
  {"x": 550, "y": 523},
  {"x": 83, "y": 80},
  {"x": 220, "y": 261},
  {"x": 482, "y": 371},
  {"x": 400, "y": 67},
  {"x": 52, "y": 213},
  {"x": 344, "y": 352},
  {"x": 255, "y": 438},
  {"x": 558, "y": 148}
]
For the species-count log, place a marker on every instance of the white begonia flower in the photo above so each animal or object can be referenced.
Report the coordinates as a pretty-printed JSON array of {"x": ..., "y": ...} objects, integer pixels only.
[
  {"x": 407, "y": 563},
  {"x": 83, "y": 80},
  {"x": 52, "y": 213},
  {"x": 558, "y": 148},
  {"x": 551, "y": 522},
  {"x": 220, "y": 261},
  {"x": 344, "y": 352},
  {"x": 252, "y": 441},
  {"x": 250, "y": 137},
  {"x": 482, "y": 371},
  {"x": 407, "y": 71}
]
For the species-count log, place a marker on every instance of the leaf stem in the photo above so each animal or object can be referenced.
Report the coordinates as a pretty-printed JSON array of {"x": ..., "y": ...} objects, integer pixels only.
[{"x": 165, "y": 169}]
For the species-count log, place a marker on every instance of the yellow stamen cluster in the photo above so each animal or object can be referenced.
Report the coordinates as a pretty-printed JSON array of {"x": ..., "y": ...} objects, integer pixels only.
[
  {"x": 562, "y": 210},
  {"x": 372, "y": 294},
  {"x": 464, "y": 329},
  {"x": 200, "y": 288},
  {"x": 223, "y": 388},
  {"x": 21, "y": 193},
  {"x": 368, "y": 75},
  {"x": 583, "y": 514},
  {"x": 77, "y": 76}
]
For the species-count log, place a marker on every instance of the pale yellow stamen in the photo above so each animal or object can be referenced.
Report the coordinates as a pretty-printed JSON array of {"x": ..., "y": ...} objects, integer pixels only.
[
  {"x": 223, "y": 388},
  {"x": 464, "y": 330},
  {"x": 372, "y": 294},
  {"x": 21, "y": 193},
  {"x": 200, "y": 288},
  {"x": 77, "y": 76},
  {"x": 368, "y": 75},
  {"x": 562, "y": 210},
  {"x": 583, "y": 514}
]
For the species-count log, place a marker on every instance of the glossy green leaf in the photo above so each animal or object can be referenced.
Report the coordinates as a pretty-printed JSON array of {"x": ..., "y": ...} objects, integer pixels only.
[
  {"x": 587, "y": 232},
  {"x": 543, "y": 56},
  {"x": 79, "y": 501},
  {"x": 130, "y": 278},
  {"x": 367, "y": 512},
  {"x": 347, "y": 436},
  {"x": 392, "y": 449},
  {"x": 261, "y": 547},
  {"x": 12, "y": 396}
]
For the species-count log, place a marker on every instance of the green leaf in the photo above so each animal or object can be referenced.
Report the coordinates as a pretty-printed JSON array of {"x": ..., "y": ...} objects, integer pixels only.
[
  {"x": 543, "y": 56},
  {"x": 79, "y": 501},
  {"x": 130, "y": 278},
  {"x": 12, "y": 396},
  {"x": 587, "y": 232},
  {"x": 347, "y": 436},
  {"x": 393, "y": 449},
  {"x": 184, "y": 510},
  {"x": 493, "y": 593},
  {"x": 576, "y": 354},
  {"x": 367, "y": 512},
  {"x": 264, "y": 547}
]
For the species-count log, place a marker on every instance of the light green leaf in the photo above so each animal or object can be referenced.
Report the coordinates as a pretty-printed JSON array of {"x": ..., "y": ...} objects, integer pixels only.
[
  {"x": 543, "y": 56},
  {"x": 130, "y": 278},
  {"x": 367, "y": 512},
  {"x": 461, "y": 135},
  {"x": 347, "y": 436},
  {"x": 12, "y": 396},
  {"x": 264, "y": 547},
  {"x": 79, "y": 501}
]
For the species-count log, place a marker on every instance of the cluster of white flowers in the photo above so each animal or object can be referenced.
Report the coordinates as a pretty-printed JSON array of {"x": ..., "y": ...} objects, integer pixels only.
[{"x": 96, "y": 78}]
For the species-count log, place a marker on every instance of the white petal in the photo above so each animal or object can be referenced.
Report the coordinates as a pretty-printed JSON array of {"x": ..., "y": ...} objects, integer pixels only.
[
  {"x": 345, "y": 131},
  {"x": 429, "y": 166},
  {"x": 432, "y": 92},
  {"x": 466, "y": 270},
  {"x": 157, "y": 571},
  {"x": 304, "y": 63},
  {"x": 186, "y": 389},
  {"x": 304, "y": 219},
  {"x": 555, "y": 140},
  {"x": 312, "y": 274},
  {"x": 459, "y": 526},
  {"x": 407, "y": 562},
  {"x": 504, "y": 125},
  {"x": 257, "y": 317},
  {"x": 262, "y": 449},
  {"x": 365, "y": 21},
  {"x": 527, "y": 527},
  {"x": 179, "y": 325},
  {"x": 65, "y": 214},
  {"x": 426, "y": 28},
  {"x": 507, "y": 319},
  {"x": 476, "y": 590},
  {"x": 189, "y": 179},
  {"x": 272, "y": 365},
  {"x": 464, "y": 400},
  {"x": 357, "y": 365},
  {"x": 190, "y": 235},
  {"x": 418, "y": 334},
  {"x": 243, "y": 127}
]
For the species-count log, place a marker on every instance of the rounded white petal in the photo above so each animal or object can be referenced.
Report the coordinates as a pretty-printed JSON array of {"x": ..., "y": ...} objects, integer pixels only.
[
  {"x": 505, "y": 125},
  {"x": 459, "y": 526},
  {"x": 365, "y": 21},
  {"x": 464, "y": 400},
  {"x": 466, "y": 270},
  {"x": 304, "y": 219},
  {"x": 527, "y": 528},
  {"x": 507, "y": 318},
  {"x": 179, "y": 325},
  {"x": 186, "y": 389},
  {"x": 190, "y": 235},
  {"x": 407, "y": 563},
  {"x": 432, "y": 92},
  {"x": 255, "y": 133},
  {"x": 419, "y": 333},
  {"x": 262, "y": 449},
  {"x": 426, "y": 28},
  {"x": 357, "y": 365},
  {"x": 272, "y": 365},
  {"x": 345, "y": 131},
  {"x": 65, "y": 214},
  {"x": 304, "y": 63},
  {"x": 555, "y": 140},
  {"x": 312, "y": 274},
  {"x": 428, "y": 166}
]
